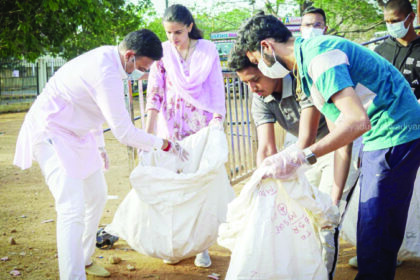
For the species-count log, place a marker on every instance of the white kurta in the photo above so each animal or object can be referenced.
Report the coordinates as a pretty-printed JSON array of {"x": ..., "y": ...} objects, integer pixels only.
[{"x": 77, "y": 100}]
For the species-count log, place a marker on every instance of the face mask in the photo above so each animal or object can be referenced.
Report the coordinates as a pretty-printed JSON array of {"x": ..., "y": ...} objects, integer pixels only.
[
  {"x": 276, "y": 71},
  {"x": 311, "y": 32},
  {"x": 135, "y": 75},
  {"x": 397, "y": 30}
]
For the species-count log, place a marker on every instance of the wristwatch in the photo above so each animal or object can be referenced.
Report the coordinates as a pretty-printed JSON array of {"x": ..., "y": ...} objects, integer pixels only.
[{"x": 310, "y": 157}]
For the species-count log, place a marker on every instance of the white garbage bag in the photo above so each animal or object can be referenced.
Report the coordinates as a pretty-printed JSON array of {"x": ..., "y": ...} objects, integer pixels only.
[
  {"x": 410, "y": 247},
  {"x": 271, "y": 230},
  {"x": 175, "y": 208}
]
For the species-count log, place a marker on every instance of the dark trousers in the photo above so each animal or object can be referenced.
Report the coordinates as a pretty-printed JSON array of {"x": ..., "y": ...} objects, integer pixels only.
[{"x": 387, "y": 180}]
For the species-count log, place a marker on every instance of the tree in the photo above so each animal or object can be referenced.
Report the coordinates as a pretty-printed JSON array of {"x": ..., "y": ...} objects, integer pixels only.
[
  {"x": 69, "y": 27},
  {"x": 283, "y": 7},
  {"x": 206, "y": 22},
  {"x": 155, "y": 24},
  {"x": 356, "y": 20},
  {"x": 223, "y": 21}
]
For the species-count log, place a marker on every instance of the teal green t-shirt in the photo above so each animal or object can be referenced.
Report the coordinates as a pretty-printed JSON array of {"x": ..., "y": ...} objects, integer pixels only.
[{"x": 329, "y": 64}]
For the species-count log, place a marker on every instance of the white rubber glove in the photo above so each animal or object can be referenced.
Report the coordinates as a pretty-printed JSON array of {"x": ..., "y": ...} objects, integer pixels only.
[
  {"x": 217, "y": 123},
  {"x": 177, "y": 150},
  {"x": 104, "y": 157},
  {"x": 284, "y": 164}
]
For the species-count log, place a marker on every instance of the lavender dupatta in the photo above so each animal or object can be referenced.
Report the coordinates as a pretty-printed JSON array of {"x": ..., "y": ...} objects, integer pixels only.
[{"x": 204, "y": 87}]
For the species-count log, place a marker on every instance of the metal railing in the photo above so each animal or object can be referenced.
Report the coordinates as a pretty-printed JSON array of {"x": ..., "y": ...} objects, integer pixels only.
[
  {"x": 18, "y": 80},
  {"x": 22, "y": 81},
  {"x": 240, "y": 130}
]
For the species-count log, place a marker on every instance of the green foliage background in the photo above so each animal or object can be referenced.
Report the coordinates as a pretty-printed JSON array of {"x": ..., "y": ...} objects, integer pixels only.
[
  {"x": 30, "y": 29},
  {"x": 67, "y": 27}
]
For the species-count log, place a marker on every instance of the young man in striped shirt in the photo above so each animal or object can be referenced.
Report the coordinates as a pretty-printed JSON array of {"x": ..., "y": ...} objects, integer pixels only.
[{"x": 363, "y": 94}]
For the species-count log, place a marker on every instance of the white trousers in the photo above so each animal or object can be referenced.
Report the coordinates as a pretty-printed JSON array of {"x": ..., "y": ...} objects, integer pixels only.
[{"x": 79, "y": 204}]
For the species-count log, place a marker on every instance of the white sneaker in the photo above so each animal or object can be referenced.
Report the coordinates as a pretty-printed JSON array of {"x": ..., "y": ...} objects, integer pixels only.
[
  {"x": 170, "y": 262},
  {"x": 203, "y": 259},
  {"x": 353, "y": 262}
]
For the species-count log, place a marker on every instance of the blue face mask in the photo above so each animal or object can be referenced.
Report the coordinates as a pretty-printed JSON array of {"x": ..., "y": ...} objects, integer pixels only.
[
  {"x": 135, "y": 75},
  {"x": 397, "y": 29}
]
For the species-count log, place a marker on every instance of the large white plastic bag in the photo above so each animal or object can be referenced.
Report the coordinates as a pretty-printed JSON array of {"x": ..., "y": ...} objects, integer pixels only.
[
  {"x": 411, "y": 244},
  {"x": 175, "y": 208},
  {"x": 272, "y": 227}
]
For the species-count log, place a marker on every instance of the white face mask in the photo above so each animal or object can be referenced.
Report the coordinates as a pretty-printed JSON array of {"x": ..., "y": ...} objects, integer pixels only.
[
  {"x": 276, "y": 71},
  {"x": 397, "y": 29},
  {"x": 135, "y": 75},
  {"x": 311, "y": 32}
]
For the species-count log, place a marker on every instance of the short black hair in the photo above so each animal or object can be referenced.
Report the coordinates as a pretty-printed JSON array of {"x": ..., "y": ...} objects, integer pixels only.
[
  {"x": 313, "y": 10},
  {"x": 259, "y": 28},
  {"x": 403, "y": 6},
  {"x": 144, "y": 43},
  {"x": 237, "y": 60}
]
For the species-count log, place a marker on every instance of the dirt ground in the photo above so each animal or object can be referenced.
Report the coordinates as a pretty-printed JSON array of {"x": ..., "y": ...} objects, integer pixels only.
[{"x": 27, "y": 215}]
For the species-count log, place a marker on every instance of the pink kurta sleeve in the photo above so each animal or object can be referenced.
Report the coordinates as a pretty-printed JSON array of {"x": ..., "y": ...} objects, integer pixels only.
[
  {"x": 110, "y": 99},
  {"x": 155, "y": 86}
]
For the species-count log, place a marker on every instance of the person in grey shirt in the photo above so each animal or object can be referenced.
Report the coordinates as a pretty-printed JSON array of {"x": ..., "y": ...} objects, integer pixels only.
[
  {"x": 281, "y": 105},
  {"x": 276, "y": 100}
]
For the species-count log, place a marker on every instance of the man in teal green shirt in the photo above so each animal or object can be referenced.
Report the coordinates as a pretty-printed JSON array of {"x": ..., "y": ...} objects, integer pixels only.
[{"x": 363, "y": 94}]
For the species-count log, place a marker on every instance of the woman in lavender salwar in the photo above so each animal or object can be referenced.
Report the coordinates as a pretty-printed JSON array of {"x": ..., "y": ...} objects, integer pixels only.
[{"x": 185, "y": 88}]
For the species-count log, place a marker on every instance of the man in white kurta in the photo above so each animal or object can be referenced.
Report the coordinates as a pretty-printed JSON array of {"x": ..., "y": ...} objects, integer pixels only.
[{"x": 63, "y": 133}]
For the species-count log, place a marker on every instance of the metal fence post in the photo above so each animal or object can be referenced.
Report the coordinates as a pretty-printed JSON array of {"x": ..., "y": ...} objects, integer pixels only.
[
  {"x": 42, "y": 74},
  {"x": 128, "y": 93},
  {"x": 37, "y": 80}
]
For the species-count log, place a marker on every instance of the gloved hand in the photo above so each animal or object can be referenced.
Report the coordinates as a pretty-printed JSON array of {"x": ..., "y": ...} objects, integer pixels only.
[
  {"x": 104, "y": 157},
  {"x": 284, "y": 164},
  {"x": 176, "y": 149},
  {"x": 217, "y": 123}
]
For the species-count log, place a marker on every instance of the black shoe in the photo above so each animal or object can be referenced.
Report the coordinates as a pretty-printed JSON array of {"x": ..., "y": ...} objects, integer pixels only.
[{"x": 105, "y": 240}]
